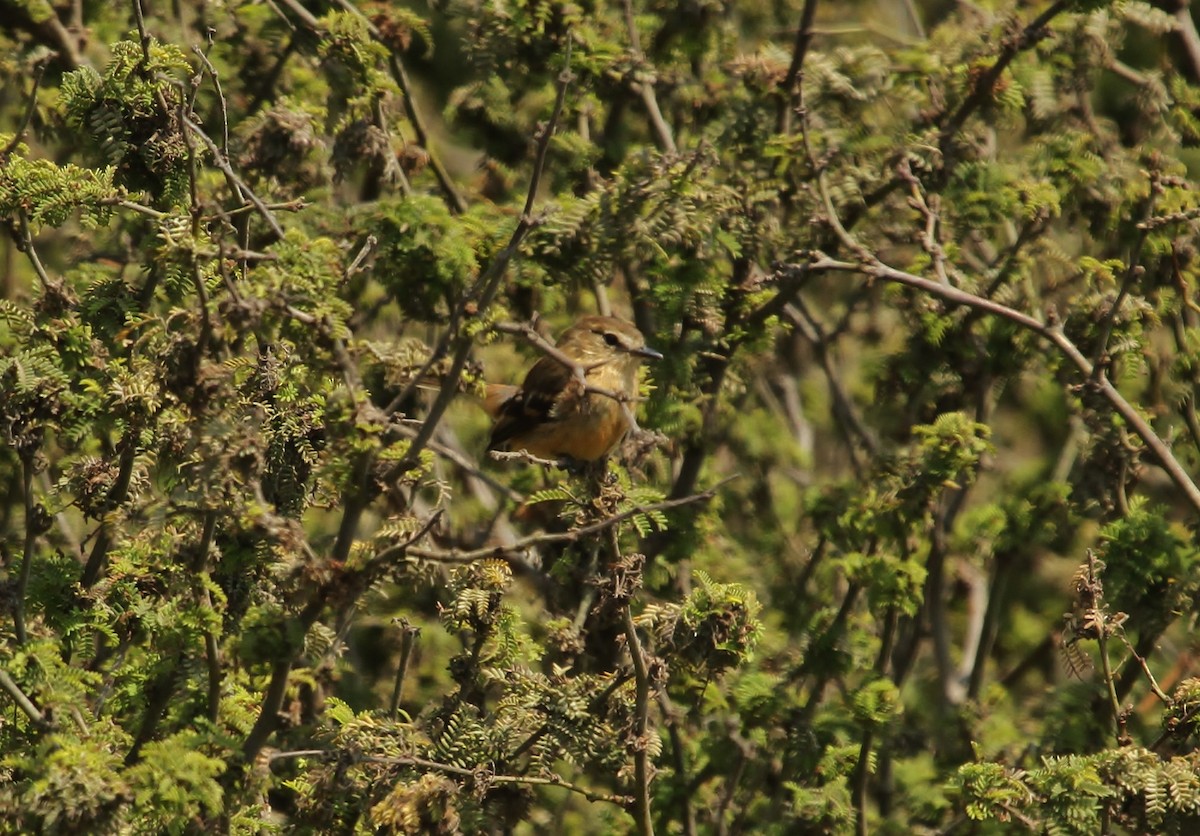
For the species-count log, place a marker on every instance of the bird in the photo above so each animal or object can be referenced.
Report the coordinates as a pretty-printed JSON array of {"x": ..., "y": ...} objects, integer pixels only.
[{"x": 555, "y": 415}]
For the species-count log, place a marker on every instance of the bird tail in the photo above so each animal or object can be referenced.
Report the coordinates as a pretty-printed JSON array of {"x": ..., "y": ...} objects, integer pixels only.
[{"x": 495, "y": 395}]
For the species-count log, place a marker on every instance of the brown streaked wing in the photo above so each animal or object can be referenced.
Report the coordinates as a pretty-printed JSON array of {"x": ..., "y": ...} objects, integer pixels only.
[{"x": 533, "y": 405}]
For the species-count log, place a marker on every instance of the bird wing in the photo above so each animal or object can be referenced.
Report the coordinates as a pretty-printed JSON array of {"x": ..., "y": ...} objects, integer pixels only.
[{"x": 533, "y": 404}]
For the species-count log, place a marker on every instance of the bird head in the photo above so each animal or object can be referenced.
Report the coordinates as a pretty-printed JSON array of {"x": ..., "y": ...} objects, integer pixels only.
[{"x": 595, "y": 340}]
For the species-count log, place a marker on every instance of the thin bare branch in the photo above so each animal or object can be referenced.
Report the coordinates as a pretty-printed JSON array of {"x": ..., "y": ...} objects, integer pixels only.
[
  {"x": 546, "y": 538},
  {"x": 927, "y": 205},
  {"x": 1189, "y": 36},
  {"x": 48, "y": 284},
  {"x": 664, "y": 137},
  {"x": 1102, "y": 623},
  {"x": 240, "y": 186},
  {"x": 360, "y": 258},
  {"x": 527, "y": 457},
  {"x": 451, "y": 769},
  {"x": 272, "y": 702},
  {"x": 143, "y": 35},
  {"x": 984, "y": 87},
  {"x": 641, "y": 759},
  {"x": 843, "y": 407},
  {"x": 216, "y": 79},
  {"x": 23, "y": 702},
  {"x": 453, "y": 198},
  {"x": 31, "y": 534},
  {"x": 39, "y": 69},
  {"x": 671, "y": 721},
  {"x": 1133, "y": 272},
  {"x": 47, "y": 29},
  {"x": 791, "y": 82},
  {"x": 1141, "y": 660},
  {"x": 465, "y": 464},
  {"x": 408, "y": 639},
  {"x": 544, "y": 134},
  {"x": 1053, "y": 334}
]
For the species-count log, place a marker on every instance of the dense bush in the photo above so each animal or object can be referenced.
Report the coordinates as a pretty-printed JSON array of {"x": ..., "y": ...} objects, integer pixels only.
[{"x": 925, "y": 278}]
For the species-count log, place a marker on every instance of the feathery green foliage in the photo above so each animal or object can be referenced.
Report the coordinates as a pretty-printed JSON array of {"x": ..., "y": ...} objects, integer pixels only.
[{"x": 924, "y": 276}]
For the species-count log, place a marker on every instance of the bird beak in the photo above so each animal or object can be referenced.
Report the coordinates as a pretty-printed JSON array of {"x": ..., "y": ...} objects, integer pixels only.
[{"x": 646, "y": 353}]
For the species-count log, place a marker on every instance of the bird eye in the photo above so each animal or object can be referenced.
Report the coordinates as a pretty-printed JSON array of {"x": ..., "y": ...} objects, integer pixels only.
[{"x": 612, "y": 339}]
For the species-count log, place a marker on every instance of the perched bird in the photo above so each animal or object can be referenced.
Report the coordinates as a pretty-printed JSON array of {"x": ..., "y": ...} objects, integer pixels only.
[{"x": 554, "y": 415}]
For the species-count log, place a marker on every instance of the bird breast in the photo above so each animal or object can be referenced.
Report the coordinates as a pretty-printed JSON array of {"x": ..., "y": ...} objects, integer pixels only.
[{"x": 593, "y": 429}]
